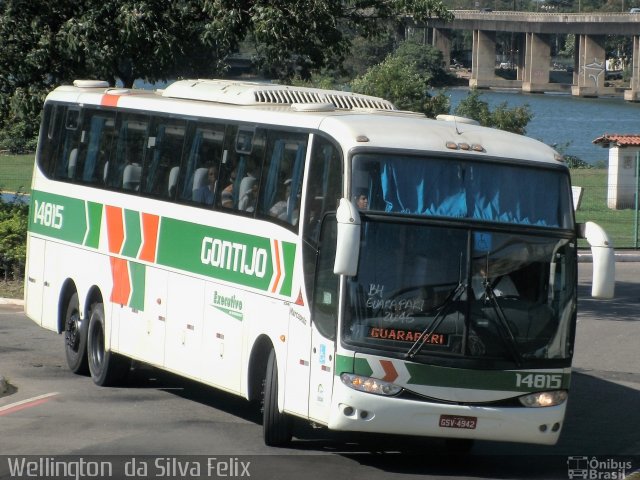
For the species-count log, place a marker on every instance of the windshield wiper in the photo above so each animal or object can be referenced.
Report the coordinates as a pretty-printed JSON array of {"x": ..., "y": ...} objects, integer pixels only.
[
  {"x": 506, "y": 334},
  {"x": 437, "y": 320}
]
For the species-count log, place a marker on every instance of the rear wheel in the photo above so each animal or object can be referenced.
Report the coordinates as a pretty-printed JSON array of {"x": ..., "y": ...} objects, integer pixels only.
[
  {"x": 276, "y": 425},
  {"x": 106, "y": 368},
  {"x": 75, "y": 337}
]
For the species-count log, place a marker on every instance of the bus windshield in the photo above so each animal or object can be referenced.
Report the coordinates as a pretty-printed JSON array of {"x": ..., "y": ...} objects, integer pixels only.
[
  {"x": 446, "y": 291},
  {"x": 459, "y": 188}
]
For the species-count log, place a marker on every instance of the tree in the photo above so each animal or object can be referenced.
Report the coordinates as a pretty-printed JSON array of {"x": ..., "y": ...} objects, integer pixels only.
[
  {"x": 404, "y": 78},
  {"x": 50, "y": 42},
  {"x": 428, "y": 61},
  {"x": 510, "y": 119}
]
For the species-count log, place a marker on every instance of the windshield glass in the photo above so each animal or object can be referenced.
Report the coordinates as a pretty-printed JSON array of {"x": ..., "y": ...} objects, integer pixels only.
[
  {"x": 433, "y": 290},
  {"x": 452, "y": 187}
]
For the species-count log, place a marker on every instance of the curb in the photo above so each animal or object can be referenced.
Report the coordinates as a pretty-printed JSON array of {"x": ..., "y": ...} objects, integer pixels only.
[
  {"x": 587, "y": 257},
  {"x": 11, "y": 301}
]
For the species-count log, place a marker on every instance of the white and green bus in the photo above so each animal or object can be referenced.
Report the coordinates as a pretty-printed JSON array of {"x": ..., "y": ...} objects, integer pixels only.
[{"x": 340, "y": 261}]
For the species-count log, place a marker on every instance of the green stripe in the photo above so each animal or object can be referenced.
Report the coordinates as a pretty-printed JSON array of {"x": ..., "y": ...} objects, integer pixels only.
[
  {"x": 289, "y": 255},
  {"x": 432, "y": 375},
  {"x": 344, "y": 364},
  {"x": 94, "y": 211},
  {"x": 235, "y": 257},
  {"x": 232, "y": 313},
  {"x": 248, "y": 259},
  {"x": 58, "y": 217},
  {"x": 138, "y": 271},
  {"x": 133, "y": 234}
]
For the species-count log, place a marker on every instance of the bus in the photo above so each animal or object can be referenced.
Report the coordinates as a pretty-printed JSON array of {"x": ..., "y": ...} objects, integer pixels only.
[{"x": 319, "y": 253}]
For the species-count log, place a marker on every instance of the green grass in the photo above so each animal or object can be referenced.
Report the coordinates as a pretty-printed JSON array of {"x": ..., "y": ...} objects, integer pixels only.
[
  {"x": 15, "y": 172},
  {"x": 619, "y": 224}
]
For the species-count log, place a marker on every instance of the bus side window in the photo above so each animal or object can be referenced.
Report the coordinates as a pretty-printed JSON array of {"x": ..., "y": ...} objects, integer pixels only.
[
  {"x": 324, "y": 186},
  {"x": 281, "y": 184},
  {"x": 50, "y": 133},
  {"x": 324, "y": 310},
  {"x": 198, "y": 180},
  {"x": 70, "y": 141},
  {"x": 162, "y": 168},
  {"x": 93, "y": 154},
  {"x": 324, "y": 189},
  {"x": 125, "y": 164},
  {"x": 249, "y": 153}
]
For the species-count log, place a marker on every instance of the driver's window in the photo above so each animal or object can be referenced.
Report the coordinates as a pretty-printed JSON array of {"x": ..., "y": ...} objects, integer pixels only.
[{"x": 325, "y": 296}]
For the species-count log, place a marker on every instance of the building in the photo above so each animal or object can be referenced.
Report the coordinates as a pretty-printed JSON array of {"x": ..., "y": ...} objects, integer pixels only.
[{"x": 624, "y": 154}]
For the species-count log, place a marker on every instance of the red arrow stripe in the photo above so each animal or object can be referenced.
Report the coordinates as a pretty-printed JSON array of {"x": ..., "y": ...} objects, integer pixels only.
[
  {"x": 390, "y": 372},
  {"x": 115, "y": 228},
  {"x": 108, "y": 100},
  {"x": 278, "y": 270},
  {"x": 150, "y": 237},
  {"x": 121, "y": 282}
]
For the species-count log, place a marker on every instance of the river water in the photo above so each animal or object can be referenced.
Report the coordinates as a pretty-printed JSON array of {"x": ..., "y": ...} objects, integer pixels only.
[{"x": 562, "y": 119}]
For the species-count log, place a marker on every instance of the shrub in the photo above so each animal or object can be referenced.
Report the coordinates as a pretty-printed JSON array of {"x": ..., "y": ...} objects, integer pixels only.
[{"x": 13, "y": 238}]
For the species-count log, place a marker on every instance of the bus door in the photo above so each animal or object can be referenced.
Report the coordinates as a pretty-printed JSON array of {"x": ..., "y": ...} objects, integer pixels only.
[
  {"x": 35, "y": 278},
  {"x": 324, "y": 319}
]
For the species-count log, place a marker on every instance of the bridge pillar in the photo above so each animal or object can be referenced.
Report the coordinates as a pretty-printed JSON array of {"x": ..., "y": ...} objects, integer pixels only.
[
  {"x": 537, "y": 63},
  {"x": 483, "y": 59},
  {"x": 589, "y": 74},
  {"x": 442, "y": 41},
  {"x": 633, "y": 93}
]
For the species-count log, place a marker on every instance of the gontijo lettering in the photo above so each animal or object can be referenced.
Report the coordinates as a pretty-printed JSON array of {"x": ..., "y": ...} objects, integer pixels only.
[{"x": 234, "y": 256}]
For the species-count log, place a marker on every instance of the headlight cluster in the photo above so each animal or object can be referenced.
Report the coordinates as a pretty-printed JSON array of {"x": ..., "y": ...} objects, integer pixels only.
[
  {"x": 369, "y": 385},
  {"x": 544, "y": 399}
]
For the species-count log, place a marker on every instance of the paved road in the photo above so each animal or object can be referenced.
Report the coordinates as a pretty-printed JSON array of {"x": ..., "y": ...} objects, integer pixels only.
[{"x": 159, "y": 414}]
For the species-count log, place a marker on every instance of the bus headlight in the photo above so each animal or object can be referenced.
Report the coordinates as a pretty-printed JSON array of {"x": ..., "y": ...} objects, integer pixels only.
[
  {"x": 369, "y": 385},
  {"x": 544, "y": 399}
]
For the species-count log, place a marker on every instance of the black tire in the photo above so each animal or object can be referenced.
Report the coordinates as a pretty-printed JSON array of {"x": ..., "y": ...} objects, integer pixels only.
[
  {"x": 459, "y": 446},
  {"x": 106, "y": 368},
  {"x": 276, "y": 425},
  {"x": 75, "y": 337}
]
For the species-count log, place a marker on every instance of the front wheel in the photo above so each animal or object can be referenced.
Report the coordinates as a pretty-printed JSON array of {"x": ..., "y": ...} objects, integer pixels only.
[
  {"x": 459, "y": 446},
  {"x": 276, "y": 425},
  {"x": 75, "y": 337},
  {"x": 106, "y": 368}
]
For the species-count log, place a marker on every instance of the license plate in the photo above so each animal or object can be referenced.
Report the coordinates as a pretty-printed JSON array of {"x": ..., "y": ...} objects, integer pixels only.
[{"x": 458, "y": 421}]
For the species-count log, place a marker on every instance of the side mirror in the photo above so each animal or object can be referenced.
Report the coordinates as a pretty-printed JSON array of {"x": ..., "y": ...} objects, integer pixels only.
[
  {"x": 604, "y": 262},
  {"x": 348, "y": 241}
]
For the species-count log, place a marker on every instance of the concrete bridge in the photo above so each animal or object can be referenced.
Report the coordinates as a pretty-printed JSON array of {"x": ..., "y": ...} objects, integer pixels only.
[{"x": 533, "y": 59}]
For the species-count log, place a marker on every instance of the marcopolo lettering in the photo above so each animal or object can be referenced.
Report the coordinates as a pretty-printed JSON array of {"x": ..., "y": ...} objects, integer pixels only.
[{"x": 234, "y": 257}]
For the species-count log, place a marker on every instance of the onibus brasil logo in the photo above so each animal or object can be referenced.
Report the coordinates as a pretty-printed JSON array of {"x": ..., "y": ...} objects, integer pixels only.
[{"x": 593, "y": 468}]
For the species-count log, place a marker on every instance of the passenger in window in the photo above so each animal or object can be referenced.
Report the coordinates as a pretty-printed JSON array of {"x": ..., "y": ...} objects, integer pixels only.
[
  {"x": 247, "y": 201},
  {"x": 362, "y": 201},
  {"x": 249, "y": 188},
  {"x": 206, "y": 193},
  {"x": 226, "y": 197},
  {"x": 280, "y": 208}
]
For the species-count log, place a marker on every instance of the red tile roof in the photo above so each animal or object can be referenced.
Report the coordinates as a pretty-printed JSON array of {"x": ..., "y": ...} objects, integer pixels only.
[{"x": 618, "y": 140}]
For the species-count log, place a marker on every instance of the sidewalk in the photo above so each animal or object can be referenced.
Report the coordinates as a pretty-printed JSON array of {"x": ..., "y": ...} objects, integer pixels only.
[
  {"x": 584, "y": 256},
  {"x": 11, "y": 301}
]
